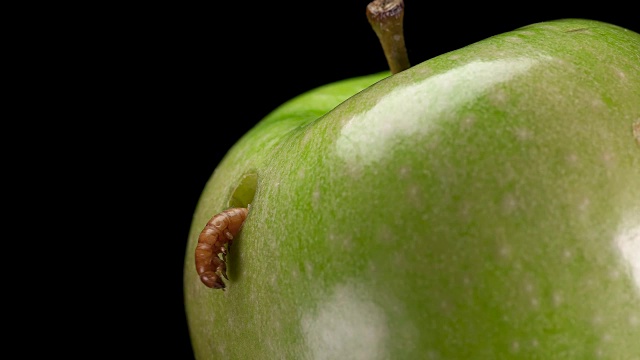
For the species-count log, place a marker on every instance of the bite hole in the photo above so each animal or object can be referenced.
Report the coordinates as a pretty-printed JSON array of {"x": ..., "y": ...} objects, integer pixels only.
[{"x": 244, "y": 192}]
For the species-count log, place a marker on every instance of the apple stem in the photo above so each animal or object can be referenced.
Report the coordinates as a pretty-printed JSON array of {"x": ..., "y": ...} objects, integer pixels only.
[{"x": 385, "y": 17}]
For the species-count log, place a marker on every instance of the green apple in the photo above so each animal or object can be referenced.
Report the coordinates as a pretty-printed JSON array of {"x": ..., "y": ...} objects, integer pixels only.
[{"x": 483, "y": 204}]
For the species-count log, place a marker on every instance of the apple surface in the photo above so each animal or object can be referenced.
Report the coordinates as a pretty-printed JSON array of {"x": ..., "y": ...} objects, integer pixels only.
[{"x": 483, "y": 204}]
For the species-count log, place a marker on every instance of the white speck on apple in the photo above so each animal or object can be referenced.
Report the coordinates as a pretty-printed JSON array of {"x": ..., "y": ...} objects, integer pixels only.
[
  {"x": 444, "y": 305},
  {"x": 535, "y": 303},
  {"x": 398, "y": 259},
  {"x": 567, "y": 254},
  {"x": 509, "y": 204},
  {"x": 230, "y": 322},
  {"x": 584, "y": 204},
  {"x": 535, "y": 343},
  {"x": 385, "y": 235},
  {"x": 597, "y": 320},
  {"x": 468, "y": 122},
  {"x": 515, "y": 346},
  {"x": 347, "y": 242},
  {"x": 308, "y": 266},
  {"x": 505, "y": 251},
  {"x": 523, "y": 134},
  {"x": 589, "y": 283},
  {"x": 432, "y": 355},
  {"x": 371, "y": 266},
  {"x": 498, "y": 98},
  {"x": 465, "y": 210},
  {"x": 558, "y": 298},
  {"x": 517, "y": 265},
  {"x": 315, "y": 198},
  {"x": 597, "y": 103},
  {"x": 211, "y": 318},
  {"x": 221, "y": 348},
  {"x": 572, "y": 159},
  {"x": 614, "y": 274},
  {"x": 404, "y": 172},
  {"x": 347, "y": 326},
  {"x": 528, "y": 287},
  {"x": 513, "y": 39},
  {"x": 599, "y": 353},
  {"x": 415, "y": 196},
  {"x": 608, "y": 158}
]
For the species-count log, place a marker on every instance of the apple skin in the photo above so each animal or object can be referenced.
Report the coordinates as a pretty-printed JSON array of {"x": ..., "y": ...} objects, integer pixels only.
[{"x": 483, "y": 204}]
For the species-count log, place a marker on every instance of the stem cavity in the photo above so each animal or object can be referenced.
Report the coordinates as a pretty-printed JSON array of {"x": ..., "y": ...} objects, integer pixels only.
[{"x": 386, "y": 17}]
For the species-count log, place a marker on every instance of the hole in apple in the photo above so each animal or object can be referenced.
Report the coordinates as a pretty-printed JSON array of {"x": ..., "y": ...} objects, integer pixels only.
[
  {"x": 241, "y": 196},
  {"x": 244, "y": 192}
]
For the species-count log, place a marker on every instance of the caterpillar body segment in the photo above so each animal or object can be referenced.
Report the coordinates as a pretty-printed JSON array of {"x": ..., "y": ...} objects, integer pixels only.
[{"x": 218, "y": 232}]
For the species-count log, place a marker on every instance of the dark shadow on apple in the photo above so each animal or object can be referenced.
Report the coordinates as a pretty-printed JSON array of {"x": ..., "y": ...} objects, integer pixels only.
[
  {"x": 234, "y": 265},
  {"x": 241, "y": 196}
]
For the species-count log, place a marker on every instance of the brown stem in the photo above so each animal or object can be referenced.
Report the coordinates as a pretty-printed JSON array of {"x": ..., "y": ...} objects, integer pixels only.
[{"x": 385, "y": 17}]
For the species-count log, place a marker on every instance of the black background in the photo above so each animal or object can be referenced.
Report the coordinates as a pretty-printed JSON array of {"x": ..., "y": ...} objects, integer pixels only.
[{"x": 192, "y": 80}]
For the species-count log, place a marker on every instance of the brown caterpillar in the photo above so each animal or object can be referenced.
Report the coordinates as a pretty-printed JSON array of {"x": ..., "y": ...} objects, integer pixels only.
[{"x": 219, "y": 231}]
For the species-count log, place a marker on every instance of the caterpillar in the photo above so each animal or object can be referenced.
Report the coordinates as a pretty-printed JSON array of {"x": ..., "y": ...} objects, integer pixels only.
[{"x": 218, "y": 231}]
